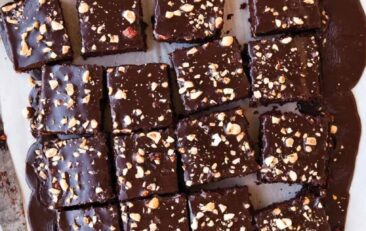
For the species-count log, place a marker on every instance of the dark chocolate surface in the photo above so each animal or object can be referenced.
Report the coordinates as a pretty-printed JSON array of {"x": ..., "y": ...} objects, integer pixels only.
[
  {"x": 215, "y": 147},
  {"x": 210, "y": 75},
  {"x": 346, "y": 132},
  {"x": 139, "y": 97},
  {"x": 89, "y": 219},
  {"x": 343, "y": 62},
  {"x": 269, "y": 17},
  {"x": 303, "y": 213},
  {"x": 70, "y": 99},
  {"x": 110, "y": 27},
  {"x": 227, "y": 209},
  {"x": 73, "y": 172},
  {"x": 34, "y": 33},
  {"x": 285, "y": 69},
  {"x": 146, "y": 163},
  {"x": 157, "y": 213},
  {"x": 188, "y": 21},
  {"x": 343, "y": 57},
  {"x": 294, "y": 148}
]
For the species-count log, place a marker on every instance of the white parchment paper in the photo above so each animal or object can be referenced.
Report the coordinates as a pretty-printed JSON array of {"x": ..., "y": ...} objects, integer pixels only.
[{"x": 14, "y": 91}]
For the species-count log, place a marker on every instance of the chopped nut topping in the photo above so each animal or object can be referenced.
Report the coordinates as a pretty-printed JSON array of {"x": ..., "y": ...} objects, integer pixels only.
[
  {"x": 154, "y": 203},
  {"x": 56, "y": 26},
  {"x": 129, "y": 16},
  {"x": 227, "y": 41},
  {"x": 83, "y": 8},
  {"x": 187, "y": 7}
]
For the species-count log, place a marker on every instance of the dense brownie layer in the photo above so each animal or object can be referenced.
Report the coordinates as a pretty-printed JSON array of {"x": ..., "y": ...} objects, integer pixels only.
[
  {"x": 70, "y": 99},
  {"x": 139, "y": 97},
  {"x": 227, "y": 209},
  {"x": 285, "y": 69},
  {"x": 110, "y": 27},
  {"x": 294, "y": 148},
  {"x": 146, "y": 163},
  {"x": 215, "y": 147},
  {"x": 34, "y": 33},
  {"x": 158, "y": 213},
  {"x": 74, "y": 172},
  {"x": 93, "y": 218},
  {"x": 210, "y": 75},
  {"x": 268, "y": 17},
  {"x": 188, "y": 21},
  {"x": 302, "y": 213}
]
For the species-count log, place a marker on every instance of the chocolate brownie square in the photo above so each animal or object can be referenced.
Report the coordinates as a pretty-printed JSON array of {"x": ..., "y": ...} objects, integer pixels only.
[
  {"x": 92, "y": 218},
  {"x": 215, "y": 147},
  {"x": 146, "y": 163},
  {"x": 139, "y": 97},
  {"x": 110, "y": 27},
  {"x": 210, "y": 75},
  {"x": 188, "y": 21},
  {"x": 34, "y": 33},
  {"x": 269, "y": 17},
  {"x": 285, "y": 69},
  {"x": 70, "y": 99},
  {"x": 157, "y": 213},
  {"x": 75, "y": 172},
  {"x": 226, "y": 209},
  {"x": 305, "y": 212},
  {"x": 294, "y": 148}
]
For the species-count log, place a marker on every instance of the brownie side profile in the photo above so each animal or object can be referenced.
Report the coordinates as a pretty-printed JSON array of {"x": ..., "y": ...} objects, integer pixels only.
[
  {"x": 139, "y": 97},
  {"x": 146, "y": 163},
  {"x": 294, "y": 148},
  {"x": 110, "y": 27},
  {"x": 302, "y": 213},
  {"x": 280, "y": 16},
  {"x": 285, "y": 69},
  {"x": 225, "y": 209},
  {"x": 92, "y": 218},
  {"x": 215, "y": 147},
  {"x": 188, "y": 21},
  {"x": 70, "y": 100},
  {"x": 74, "y": 172},
  {"x": 157, "y": 213},
  {"x": 210, "y": 75},
  {"x": 34, "y": 33}
]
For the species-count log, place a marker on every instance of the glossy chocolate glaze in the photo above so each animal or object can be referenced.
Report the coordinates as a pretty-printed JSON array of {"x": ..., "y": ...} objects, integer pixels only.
[
  {"x": 34, "y": 33},
  {"x": 146, "y": 164},
  {"x": 343, "y": 57},
  {"x": 294, "y": 148},
  {"x": 226, "y": 209},
  {"x": 110, "y": 27},
  {"x": 188, "y": 21},
  {"x": 303, "y": 213}
]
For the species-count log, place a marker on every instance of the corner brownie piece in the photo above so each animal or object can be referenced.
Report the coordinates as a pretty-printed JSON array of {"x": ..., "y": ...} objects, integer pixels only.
[
  {"x": 139, "y": 97},
  {"x": 93, "y": 218},
  {"x": 146, "y": 163},
  {"x": 188, "y": 21},
  {"x": 294, "y": 148},
  {"x": 269, "y": 17},
  {"x": 158, "y": 213},
  {"x": 70, "y": 99},
  {"x": 34, "y": 33},
  {"x": 305, "y": 212},
  {"x": 75, "y": 172},
  {"x": 215, "y": 147},
  {"x": 110, "y": 27},
  {"x": 210, "y": 75},
  {"x": 226, "y": 209},
  {"x": 285, "y": 69}
]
